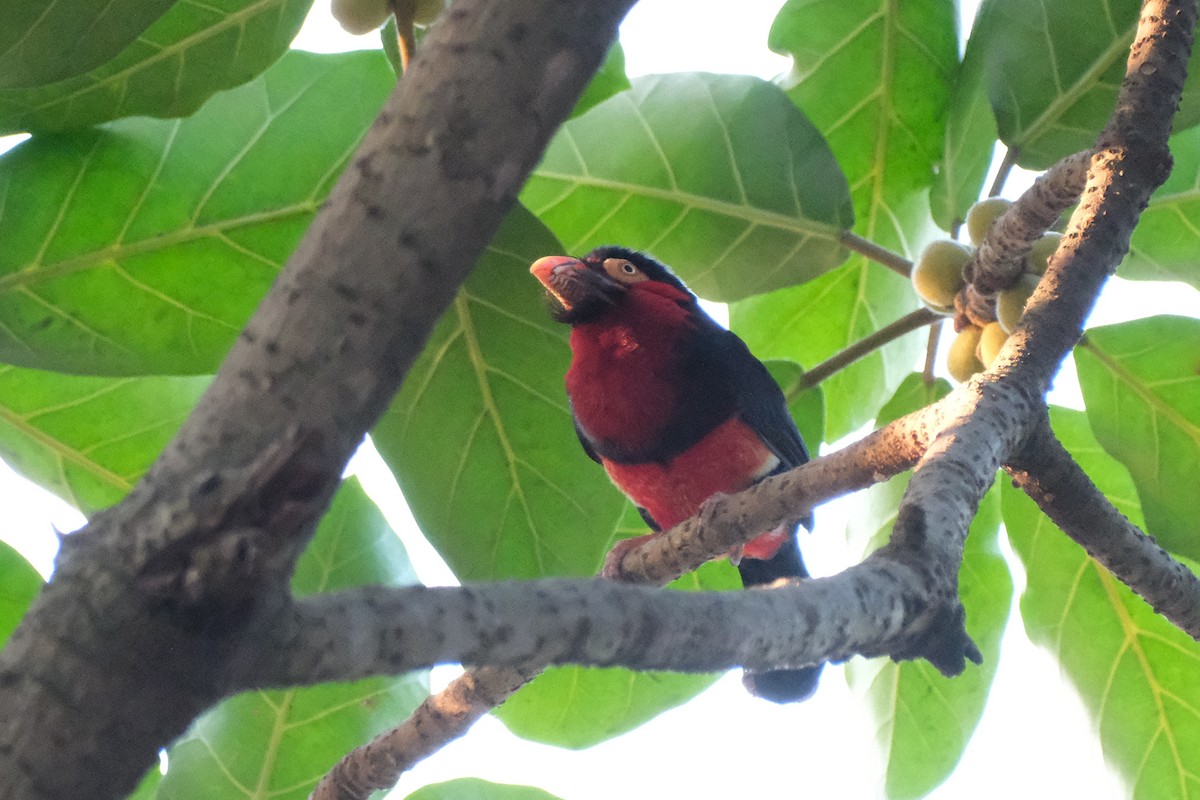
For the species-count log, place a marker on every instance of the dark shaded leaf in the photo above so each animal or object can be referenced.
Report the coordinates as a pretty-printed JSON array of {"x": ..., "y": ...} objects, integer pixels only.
[
  {"x": 193, "y": 51},
  {"x": 46, "y": 42}
]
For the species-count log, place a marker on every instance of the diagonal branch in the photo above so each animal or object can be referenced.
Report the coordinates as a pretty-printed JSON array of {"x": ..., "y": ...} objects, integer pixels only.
[{"x": 1048, "y": 474}]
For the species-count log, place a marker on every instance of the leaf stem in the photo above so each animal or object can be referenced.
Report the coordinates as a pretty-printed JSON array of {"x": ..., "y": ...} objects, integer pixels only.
[
  {"x": 865, "y": 247},
  {"x": 407, "y": 42},
  {"x": 931, "y": 348},
  {"x": 1006, "y": 164},
  {"x": 844, "y": 358}
]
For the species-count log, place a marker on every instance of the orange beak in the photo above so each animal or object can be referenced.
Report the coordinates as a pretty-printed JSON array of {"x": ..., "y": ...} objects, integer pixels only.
[{"x": 543, "y": 268}]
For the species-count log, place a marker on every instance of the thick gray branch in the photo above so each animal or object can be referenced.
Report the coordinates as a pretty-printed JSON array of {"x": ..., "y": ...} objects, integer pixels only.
[
  {"x": 160, "y": 600},
  {"x": 373, "y": 631}
]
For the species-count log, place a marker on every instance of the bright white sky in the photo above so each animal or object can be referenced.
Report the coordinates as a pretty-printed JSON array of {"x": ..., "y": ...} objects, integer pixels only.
[{"x": 1035, "y": 739}]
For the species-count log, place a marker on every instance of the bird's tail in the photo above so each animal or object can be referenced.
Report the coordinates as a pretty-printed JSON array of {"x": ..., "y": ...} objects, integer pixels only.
[{"x": 779, "y": 685}]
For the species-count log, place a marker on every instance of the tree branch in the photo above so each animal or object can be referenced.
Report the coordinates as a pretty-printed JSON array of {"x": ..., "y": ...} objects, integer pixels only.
[
  {"x": 1011, "y": 154},
  {"x": 157, "y": 601},
  {"x": 726, "y": 523},
  {"x": 1048, "y": 474},
  {"x": 881, "y": 255},
  {"x": 1000, "y": 258},
  {"x": 865, "y": 346}
]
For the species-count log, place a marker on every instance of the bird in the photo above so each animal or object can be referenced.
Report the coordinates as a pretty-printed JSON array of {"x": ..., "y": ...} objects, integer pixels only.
[{"x": 676, "y": 409}]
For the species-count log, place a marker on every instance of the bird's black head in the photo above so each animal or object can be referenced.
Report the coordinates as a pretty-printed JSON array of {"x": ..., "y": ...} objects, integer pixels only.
[{"x": 583, "y": 289}]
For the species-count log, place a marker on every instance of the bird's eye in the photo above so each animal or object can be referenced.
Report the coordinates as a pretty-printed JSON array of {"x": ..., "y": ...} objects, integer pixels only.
[{"x": 623, "y": 271}]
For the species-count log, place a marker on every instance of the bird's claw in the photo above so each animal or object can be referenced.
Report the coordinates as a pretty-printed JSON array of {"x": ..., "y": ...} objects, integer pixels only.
[{"x": 613, "y": 568}]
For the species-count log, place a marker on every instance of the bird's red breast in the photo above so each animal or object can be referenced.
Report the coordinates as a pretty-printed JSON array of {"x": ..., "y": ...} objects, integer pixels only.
[
  {"x": 622, "y": 377},
  {"x": 730, "y": 458}
]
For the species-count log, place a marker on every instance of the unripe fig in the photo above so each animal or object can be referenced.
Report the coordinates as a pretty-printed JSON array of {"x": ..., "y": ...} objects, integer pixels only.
[
  {"x": 961, "y": 360},
  {"x": 1041, "y": 251},
  {"x": 937, "y": 275},
  {"x": 1010, "y": 304},
  {"x": 361, "y": 16},
  {"x": 426, "y": 11},
  {"x": 991, "y": 340},
  {"x": 981, "y": 216}
]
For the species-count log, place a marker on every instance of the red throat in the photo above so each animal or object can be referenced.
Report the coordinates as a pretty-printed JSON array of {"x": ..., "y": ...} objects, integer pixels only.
[{"x": 620, "y": 377}]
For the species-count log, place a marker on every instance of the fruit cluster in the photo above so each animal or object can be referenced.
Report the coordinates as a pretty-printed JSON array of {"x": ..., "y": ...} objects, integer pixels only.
[
  {"x": 363, "y": 16},
  {"x": 938, "y": 278}
]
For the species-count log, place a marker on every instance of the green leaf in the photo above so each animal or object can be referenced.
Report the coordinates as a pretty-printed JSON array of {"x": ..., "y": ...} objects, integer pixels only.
[
  {"x": 280, "y": 743},
  {"x": 970, "y": 135},
  {"x": 388, "y": 37},
  {"x": 924, "y": 719},
  {"x": 1141, "y": 384},
  {"x": 1166, "y": 240},
  {"x": 807, "y": 406},
  {"x": 810, "y": 323},
  {"x": 1135, "y": 672},
  {"x": 147, "y": 789},
  {"x": 193, "y": 51},
  {"x": 46, "y": 42},
  {"x": 480, "y": 437},
  {"x": 717, "y": 175},
  {"x": 144, "y": 246},
  {"x": 875, "y": 80},
  {"x": 609, "y": 80},
  {"x": 86, "y": 439},
  {"x": 912, "y": 395},
  {"x": 19, "y": 584},
  {"x": 1054, "y": 68},
  {"x": 578, "y": 707},
  {"x": 478, "y": 789}
]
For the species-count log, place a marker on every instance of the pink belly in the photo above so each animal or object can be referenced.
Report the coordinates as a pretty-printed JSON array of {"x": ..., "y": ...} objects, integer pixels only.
[{"x": 730, "y": 458}]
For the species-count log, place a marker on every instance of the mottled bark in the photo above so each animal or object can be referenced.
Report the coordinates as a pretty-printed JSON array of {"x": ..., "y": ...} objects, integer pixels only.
[{"x": 161, "y": 599}]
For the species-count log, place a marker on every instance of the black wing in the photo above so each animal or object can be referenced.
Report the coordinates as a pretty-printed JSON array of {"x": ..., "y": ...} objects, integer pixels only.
[
  {"x": 760, "y": 402},
  {"x": 583, "y": 440}
]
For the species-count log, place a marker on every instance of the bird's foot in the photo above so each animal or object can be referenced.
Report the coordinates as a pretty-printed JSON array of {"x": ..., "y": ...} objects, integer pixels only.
[{"x": 612, "y": 568}]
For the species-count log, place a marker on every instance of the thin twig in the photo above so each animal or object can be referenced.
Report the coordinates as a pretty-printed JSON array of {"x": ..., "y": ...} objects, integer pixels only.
[
  {"x": 1009, "y": 161},
  {"x": 406, "y": 41},
  {"x": 844, "y": 358},
  {"x": 865, "y": 247},
  {"x": 931, "y": 349}
]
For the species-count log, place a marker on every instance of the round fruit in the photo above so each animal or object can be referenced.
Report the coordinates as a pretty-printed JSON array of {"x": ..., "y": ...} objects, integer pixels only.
[
  {"x": 991, "y": 340},
  {"x": 981, "y": 216},
  {"x": 426, "y": 11},
  {"x": 1010, "y": 305},
  {"x": 361, "y": 16},
  {"x": 1041, "y": 251},
  {"x": 961, "y": 360},
  {"x": 937, "y": 275}
]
